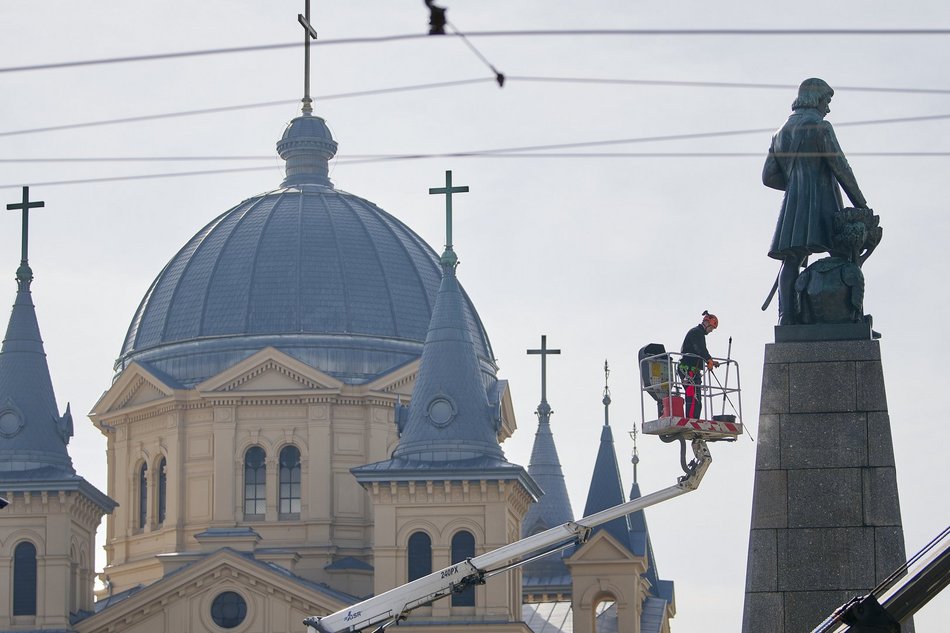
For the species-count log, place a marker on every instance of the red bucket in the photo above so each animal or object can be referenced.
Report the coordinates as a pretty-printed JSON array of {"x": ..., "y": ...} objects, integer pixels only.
[{"x": 673, "y": 407}]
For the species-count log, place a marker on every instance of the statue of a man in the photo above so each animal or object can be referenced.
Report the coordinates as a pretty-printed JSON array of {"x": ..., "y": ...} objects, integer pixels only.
[{"x": 806, "y": 162}]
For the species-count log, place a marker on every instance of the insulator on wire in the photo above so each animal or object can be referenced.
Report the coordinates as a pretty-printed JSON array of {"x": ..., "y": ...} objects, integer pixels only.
[{"x": 436, "y": 18}]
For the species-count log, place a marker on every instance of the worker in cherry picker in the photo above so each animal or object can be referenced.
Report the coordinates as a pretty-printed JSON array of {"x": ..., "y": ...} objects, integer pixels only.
[{"x": 695, "y": 355}]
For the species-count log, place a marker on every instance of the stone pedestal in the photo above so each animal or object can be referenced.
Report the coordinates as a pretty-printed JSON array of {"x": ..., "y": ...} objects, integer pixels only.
[{"x": 826, "y": 522}]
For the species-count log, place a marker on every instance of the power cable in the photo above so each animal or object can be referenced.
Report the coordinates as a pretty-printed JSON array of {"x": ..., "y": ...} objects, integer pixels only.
[
  {"x": 131, "y": 159},
  {"x": 452, "y": 84},
  {"x": 640, "y": 139},
  {"x": 247, "y": 106},
  {"x": 714, "y": 84},
  {"x": 499, "y": 77},
  {"x": 395, "y": 157},
  {"x": 519, "y": 33},
  {"x": 348, "y": 159}
]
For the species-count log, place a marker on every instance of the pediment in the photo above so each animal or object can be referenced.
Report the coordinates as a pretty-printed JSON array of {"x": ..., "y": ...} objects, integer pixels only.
[
  {"x": 274, "y": 600},
  {"x": 270, "y": 370},
  {"x": 602, "y": 547},
  {"x": 136, "y": 386},
  {"x": 399, "y": 381}
]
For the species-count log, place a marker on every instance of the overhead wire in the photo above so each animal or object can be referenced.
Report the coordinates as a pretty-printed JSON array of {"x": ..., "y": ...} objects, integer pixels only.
[
  {"x": 246, "y": 106},
  {"x": 524, "y": 150},
  {"x": 347, "y": 159},
  {"x": 400, "y": 157},
  {"x": 499, "y": 76},
  {"x": 452, "y": 84},
  {"x": 536, "y": 151},
  {"x": 716, "y": 84},
  {"x": 513, "y": 33}
]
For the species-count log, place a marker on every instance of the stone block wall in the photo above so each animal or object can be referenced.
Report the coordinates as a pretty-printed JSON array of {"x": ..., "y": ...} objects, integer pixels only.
[{"x": 826, "y": 522}]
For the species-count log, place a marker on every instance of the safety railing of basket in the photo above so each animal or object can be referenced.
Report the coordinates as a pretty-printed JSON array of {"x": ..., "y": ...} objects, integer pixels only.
[{"x": 662, "y": 375}]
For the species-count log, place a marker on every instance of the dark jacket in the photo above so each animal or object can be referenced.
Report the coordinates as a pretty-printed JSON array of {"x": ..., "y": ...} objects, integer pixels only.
[{"x": 695, "y": 343}]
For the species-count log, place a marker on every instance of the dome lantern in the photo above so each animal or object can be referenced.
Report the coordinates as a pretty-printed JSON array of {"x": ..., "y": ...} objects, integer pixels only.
[{"x": 307, "y": 145}]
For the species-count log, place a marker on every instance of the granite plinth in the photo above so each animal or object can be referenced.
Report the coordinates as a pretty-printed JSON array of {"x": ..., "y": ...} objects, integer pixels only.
[{"x": 826, "y": 522}]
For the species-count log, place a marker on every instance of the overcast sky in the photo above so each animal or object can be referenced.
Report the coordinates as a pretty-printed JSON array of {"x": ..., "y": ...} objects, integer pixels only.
[{"x": 602, "y": 254}]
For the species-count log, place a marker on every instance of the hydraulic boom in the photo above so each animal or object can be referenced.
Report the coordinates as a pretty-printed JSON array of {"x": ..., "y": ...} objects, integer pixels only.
[{"x": 394, "y": 605}]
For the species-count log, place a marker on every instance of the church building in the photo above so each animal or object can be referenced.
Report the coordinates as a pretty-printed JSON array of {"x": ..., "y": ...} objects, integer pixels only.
[{"x": 306, "y": 411}]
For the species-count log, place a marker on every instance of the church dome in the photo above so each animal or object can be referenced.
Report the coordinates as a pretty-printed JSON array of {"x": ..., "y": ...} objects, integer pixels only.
[{"x": 320, "y": 274}]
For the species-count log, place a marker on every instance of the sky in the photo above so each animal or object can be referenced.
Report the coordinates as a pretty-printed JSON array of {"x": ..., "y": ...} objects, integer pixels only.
[{"x": 603, "y": 254}]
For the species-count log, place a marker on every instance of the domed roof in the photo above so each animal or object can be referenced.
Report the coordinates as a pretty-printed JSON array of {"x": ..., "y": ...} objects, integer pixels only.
[{"x": 323, "y": 275}]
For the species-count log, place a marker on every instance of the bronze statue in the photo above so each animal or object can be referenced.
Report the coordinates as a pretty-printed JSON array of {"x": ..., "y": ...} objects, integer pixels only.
[{"x": 806, "y": 162}]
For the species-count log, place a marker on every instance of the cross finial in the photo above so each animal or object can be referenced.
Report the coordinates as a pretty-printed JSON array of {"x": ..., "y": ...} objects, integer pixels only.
[
  {"x": 544, "y": 351},
  {"x": 606, "y": 400},
  {"x": 635, "y": 456},
  {"x": 308, "y": 33},
  {"x": 448, "y": 256},
  {"x": 24, "y": 275}
]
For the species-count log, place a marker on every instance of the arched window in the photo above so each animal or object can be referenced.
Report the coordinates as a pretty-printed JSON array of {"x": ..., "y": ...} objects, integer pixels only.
[
  {"x": 419, "y": 555},
  {"x": 73, "y": 580},
  {"x": 605, "y": 615},
  {"x": 162, "y": 489},
  {"x": 290, "y": 480},
  {"x": 24, "y": 579},
  {"x": 463, "y": 546},
  {"x": 143, "y": 495},
  {"x": 255, "y": 487}
]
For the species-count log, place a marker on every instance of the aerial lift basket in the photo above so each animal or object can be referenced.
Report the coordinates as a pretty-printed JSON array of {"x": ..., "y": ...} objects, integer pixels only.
[{"x": 661, "y": 380}]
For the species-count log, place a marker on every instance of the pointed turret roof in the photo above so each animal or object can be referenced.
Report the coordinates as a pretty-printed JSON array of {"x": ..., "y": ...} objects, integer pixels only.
[
  {"x": 548, "y": 575},
  {"x": 554, "y": 508},
  {"x": 33, "y": 435},
  {"x": 606, "y": 488},
  {"x": 451, "y": 427},
  {"x": 450, "y": 418}
]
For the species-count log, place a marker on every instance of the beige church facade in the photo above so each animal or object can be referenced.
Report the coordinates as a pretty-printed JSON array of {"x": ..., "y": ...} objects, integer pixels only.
[{"x": 306, "y": 411}]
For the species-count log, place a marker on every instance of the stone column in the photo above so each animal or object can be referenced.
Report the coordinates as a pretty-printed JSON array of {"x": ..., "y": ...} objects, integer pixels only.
[{"x": 826, "y": 522}]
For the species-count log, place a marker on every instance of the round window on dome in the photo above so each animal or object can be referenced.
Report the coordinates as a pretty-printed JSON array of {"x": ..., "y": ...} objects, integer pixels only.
[
  {"x": 10, "y": 423},
  {"x": 441, "y": 411},
  {"x": 228, "y": 610}
]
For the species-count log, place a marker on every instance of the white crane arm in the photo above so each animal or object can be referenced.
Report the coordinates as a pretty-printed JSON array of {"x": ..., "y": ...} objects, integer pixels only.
[{"x": 395, "y": 604}]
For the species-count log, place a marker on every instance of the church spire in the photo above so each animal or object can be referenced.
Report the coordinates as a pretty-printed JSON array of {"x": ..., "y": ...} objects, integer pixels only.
[
  {"x": 548, "y": 575},
  {"x": 450, "y": 418},
  {"x": 606, "y": 488},
  {"x": 554, "y": 508},
  {"x": 32, "y": 433}
]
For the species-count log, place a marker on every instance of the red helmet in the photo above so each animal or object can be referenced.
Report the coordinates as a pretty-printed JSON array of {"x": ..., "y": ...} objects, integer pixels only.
[{"x": 710, "y": 319}]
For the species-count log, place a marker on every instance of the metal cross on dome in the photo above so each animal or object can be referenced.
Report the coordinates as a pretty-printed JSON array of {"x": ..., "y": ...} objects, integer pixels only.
[
  {"x": 308, "y": 33},
  {"x": 448, "y": 257},
  {"x": 24, "y": 274},
  {"x": 544, "y": 351}
]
